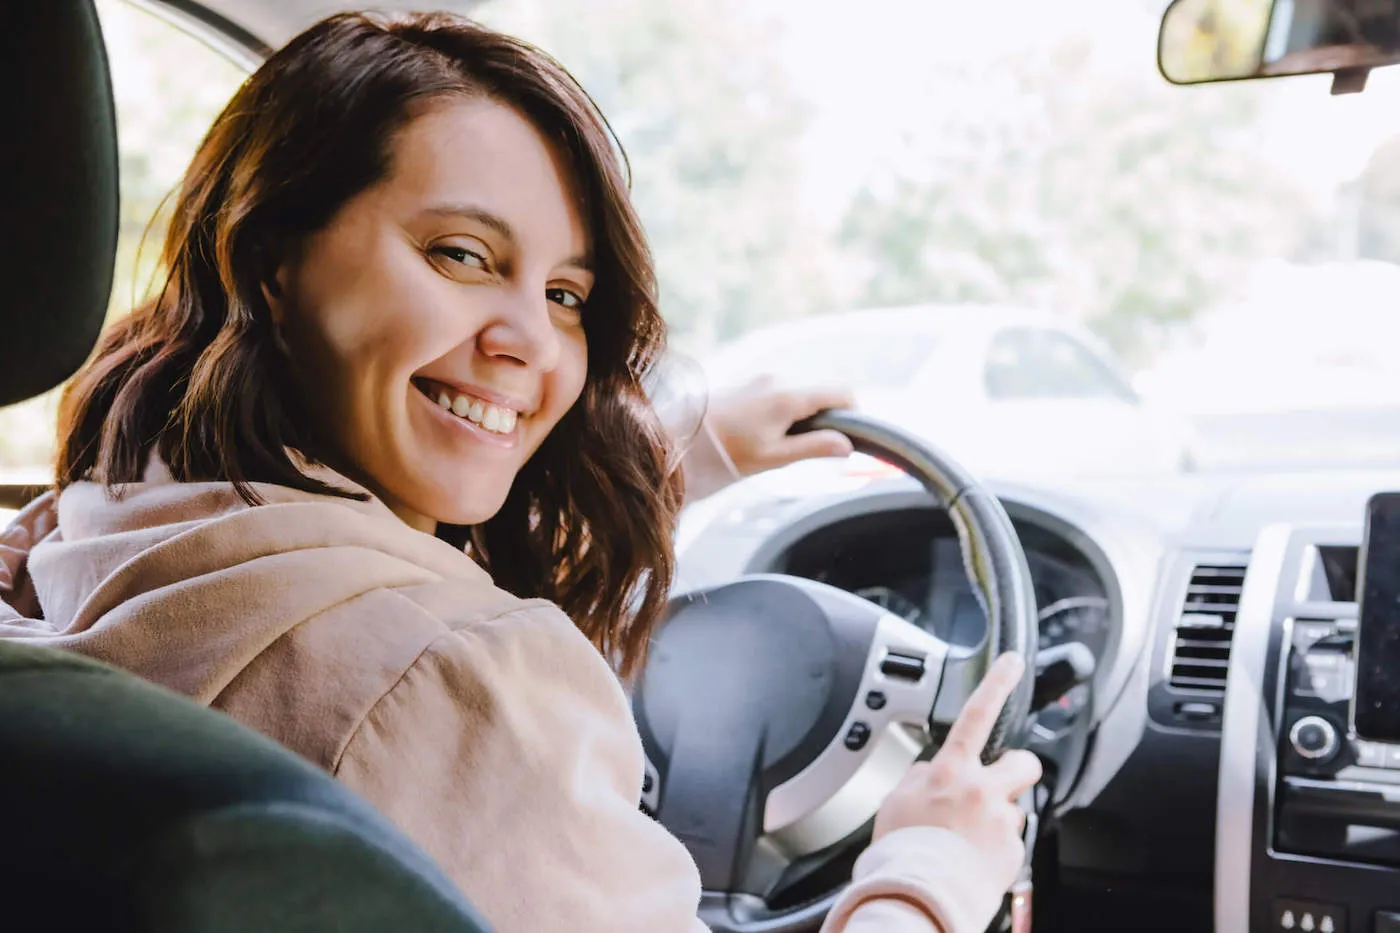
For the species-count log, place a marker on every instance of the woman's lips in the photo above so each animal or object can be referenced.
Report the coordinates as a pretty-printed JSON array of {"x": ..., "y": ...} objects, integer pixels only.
[
  {"x": 487, "y": 421},
  {"x": 487, "y": 414}
]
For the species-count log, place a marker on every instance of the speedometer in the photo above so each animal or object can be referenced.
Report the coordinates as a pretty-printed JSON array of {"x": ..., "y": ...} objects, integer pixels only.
[
  {"x": 1079, "y": 618},
  {"x": 893, "y": 601}
]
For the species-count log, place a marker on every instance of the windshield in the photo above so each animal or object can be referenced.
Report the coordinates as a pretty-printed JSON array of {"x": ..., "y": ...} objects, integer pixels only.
[
  {"x": 1215, "y": 269},
  {"x": 1233, "y": 250},
  {"x": 867, "y": 357}
]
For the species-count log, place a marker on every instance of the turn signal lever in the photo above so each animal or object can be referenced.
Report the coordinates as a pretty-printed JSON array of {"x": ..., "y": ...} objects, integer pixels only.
[{"x": 1058, "y": 670}]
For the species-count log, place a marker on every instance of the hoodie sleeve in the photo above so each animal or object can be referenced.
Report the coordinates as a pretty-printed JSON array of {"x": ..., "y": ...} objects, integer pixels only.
[
  {"x": 38, "y": 520},
  {"x": 917, "y": 880}
]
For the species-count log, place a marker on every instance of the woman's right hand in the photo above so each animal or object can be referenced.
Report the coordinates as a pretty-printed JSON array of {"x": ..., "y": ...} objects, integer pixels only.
[{"x": 955, "y": 791}]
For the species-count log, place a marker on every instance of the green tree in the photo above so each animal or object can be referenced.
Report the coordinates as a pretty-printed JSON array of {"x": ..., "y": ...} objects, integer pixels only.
[
  {"x": 168, "y": 88},
  {"x": 1378, "y": 205},
  {"x": 1100, "y": 192}
]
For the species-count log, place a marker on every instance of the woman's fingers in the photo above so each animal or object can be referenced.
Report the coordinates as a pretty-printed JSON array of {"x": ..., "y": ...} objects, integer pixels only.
[
  {"x": 815, "y": 444},
  {"x": 752, "y": 426},
  {"x": 974, "y": 724},
  {"x": 1015, "y": 772},
  {"x": 799, "y": 405}
]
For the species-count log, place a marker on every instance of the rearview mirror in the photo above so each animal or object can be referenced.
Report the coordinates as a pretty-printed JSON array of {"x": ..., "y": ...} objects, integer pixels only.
[{"x": 1204, "y": 41}]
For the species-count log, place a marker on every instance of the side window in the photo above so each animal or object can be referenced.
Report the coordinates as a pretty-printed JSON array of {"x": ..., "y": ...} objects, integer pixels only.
[
  {"x": 168, "y": 87},
  {"x": 1027, "y": 363}
]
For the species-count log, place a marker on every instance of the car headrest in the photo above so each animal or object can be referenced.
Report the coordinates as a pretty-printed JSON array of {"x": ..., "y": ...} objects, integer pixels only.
[{"x": 58, "y": 193}]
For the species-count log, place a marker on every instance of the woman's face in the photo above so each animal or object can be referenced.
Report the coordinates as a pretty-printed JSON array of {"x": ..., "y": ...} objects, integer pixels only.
[{"x": 434, "y": 325}]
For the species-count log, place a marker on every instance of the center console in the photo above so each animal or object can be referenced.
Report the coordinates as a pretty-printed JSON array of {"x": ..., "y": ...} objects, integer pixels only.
[{"x": 1308, "y": 824}]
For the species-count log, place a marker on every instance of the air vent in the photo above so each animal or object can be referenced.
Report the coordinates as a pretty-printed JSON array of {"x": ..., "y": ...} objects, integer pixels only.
[{"x": 1201, "y": 654}]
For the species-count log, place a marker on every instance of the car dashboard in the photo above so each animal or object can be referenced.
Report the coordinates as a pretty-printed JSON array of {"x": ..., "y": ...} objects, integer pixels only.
[
  {"x": 910, "y": 562},
  {"x": 1154, "y": 577}
]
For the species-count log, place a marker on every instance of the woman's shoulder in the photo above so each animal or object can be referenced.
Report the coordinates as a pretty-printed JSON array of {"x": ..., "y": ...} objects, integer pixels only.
[
  {"x": 371, "y": 633},
  {"x": 492, "y": 636},
  {"x": 412, "y": 659},
  {"x": 296, "y": 616}
]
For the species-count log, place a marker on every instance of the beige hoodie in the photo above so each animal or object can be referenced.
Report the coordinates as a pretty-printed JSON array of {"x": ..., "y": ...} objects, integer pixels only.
[{"x": 486, "y": 726}]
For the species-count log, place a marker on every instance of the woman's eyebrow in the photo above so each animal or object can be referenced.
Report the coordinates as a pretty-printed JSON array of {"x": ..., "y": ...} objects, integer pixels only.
[
  {"x": 580, "y": 263},
  {"x": 479, "y": 214},
  {"x": 501, "y": 226}
]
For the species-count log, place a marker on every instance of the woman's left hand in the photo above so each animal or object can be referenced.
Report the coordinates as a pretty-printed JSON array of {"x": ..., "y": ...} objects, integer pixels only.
[{"x": 752, "y": 426}]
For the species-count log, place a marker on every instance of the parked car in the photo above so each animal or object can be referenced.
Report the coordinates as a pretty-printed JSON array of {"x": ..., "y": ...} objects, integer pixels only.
[{"x": 1008, "y": 392}]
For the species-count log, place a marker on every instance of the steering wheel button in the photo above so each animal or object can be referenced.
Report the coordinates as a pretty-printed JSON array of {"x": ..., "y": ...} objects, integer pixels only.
[
  {"x": 903, "y": 666},
  {"x": 875, "y": 699},
  {"x": 857, "y": 736}
]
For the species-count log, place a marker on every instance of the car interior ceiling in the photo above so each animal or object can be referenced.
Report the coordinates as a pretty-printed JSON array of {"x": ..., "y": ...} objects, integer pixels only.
[{"x": 126, "y": 807}]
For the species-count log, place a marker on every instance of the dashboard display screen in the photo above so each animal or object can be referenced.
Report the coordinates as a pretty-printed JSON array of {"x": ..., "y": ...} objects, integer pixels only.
[{"x": 1376, "y": 707}]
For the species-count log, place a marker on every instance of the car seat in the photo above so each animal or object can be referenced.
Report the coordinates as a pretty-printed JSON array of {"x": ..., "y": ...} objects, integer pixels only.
[{"x": 123, "y": 806}]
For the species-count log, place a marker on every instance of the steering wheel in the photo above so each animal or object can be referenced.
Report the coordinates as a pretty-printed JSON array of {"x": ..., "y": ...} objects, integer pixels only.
[{"x": 778, "y": 712}]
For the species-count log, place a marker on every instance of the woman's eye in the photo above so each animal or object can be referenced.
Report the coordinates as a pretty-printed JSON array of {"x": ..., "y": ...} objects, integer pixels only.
[
  {"x": 564, "y": 298},
  {"x": 461, "y": 255}
]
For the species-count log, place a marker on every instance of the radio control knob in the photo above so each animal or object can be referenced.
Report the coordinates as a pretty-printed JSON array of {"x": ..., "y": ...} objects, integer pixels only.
[{"x": 1314, "y": 738}]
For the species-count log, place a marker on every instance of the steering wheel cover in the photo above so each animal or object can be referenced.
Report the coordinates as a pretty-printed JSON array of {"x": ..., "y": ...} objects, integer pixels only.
[{"x": 992, "y": 556}]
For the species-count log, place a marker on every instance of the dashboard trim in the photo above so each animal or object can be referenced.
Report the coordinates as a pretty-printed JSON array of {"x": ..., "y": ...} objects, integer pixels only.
[
  {"x": 1240, "y": 725},
  {"x": 1269, "y": 605}
]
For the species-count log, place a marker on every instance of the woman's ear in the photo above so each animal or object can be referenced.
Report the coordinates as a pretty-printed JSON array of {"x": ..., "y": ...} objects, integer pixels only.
[{"x": 274, "y": 292}]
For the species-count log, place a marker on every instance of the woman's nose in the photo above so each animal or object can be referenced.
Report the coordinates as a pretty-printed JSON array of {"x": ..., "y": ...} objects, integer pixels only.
[{"x": 524, "y": 331}]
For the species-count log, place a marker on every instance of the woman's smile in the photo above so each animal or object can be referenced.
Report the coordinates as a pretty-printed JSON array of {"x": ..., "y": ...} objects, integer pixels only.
[{"x": 495, "y": 422}]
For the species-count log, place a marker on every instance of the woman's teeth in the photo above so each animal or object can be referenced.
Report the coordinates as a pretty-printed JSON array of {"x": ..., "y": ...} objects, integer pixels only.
[{"x": 493, "y": 418}]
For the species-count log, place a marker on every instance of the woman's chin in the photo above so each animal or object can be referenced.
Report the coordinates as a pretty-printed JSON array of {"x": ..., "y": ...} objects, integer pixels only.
[{"x": 473, "y": 508}]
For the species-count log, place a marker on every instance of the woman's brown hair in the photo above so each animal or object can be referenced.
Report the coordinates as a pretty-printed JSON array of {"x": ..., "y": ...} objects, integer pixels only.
[{"x": 194, "y": 375}]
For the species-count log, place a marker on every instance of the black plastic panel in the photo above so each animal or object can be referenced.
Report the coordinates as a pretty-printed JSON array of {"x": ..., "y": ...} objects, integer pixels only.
[
  {"x": 1155, "y": 819},
  {"x": 1330, "y": 864}
]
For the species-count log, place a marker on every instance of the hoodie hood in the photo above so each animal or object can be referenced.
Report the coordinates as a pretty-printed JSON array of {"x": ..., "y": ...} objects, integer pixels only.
[{"x": 185, "y": 583}]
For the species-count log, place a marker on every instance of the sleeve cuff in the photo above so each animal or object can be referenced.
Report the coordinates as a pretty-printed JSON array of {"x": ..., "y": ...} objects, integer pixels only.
[{"x": 927, "y": 866}]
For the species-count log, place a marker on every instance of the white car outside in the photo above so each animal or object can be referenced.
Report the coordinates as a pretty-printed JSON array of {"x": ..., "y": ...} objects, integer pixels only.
[{"x": 1009, "y": 393}]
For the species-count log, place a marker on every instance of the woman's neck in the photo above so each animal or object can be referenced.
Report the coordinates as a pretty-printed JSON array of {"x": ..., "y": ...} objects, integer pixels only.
[{"x": 413, "y": 519}]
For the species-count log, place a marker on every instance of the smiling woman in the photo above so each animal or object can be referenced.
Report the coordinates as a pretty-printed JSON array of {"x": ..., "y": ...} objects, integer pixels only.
[
  {"x": 382, "y": 421},
  {"x": 317, "y": 286}
]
